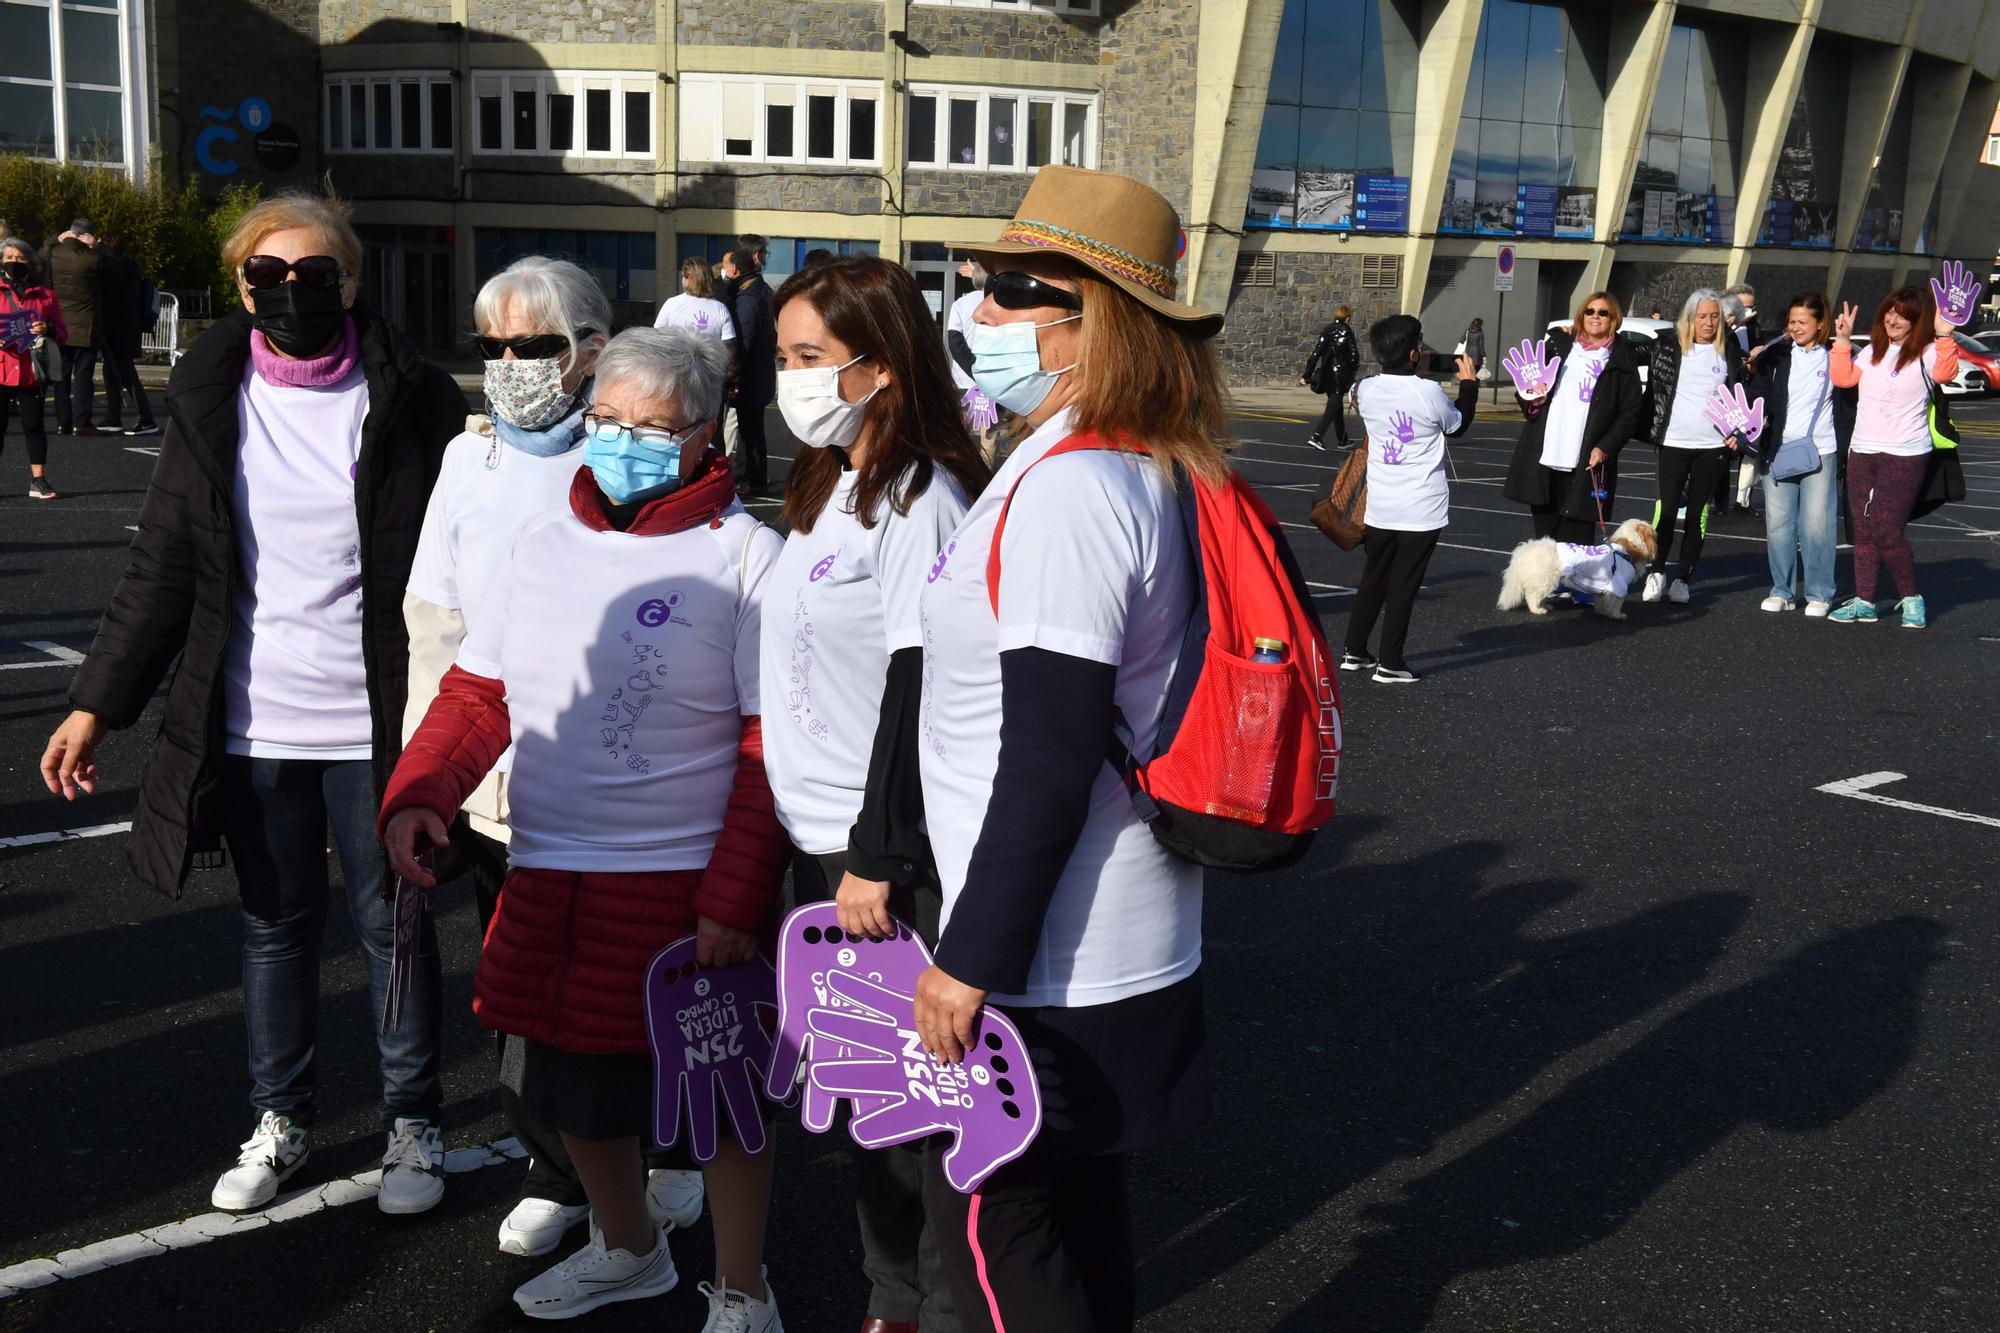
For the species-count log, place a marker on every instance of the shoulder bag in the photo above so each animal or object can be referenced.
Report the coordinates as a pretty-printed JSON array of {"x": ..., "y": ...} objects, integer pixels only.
[
  {"x": 1799, "y": 457},
  {"x": 1944, "y": 474},
  {"x": 1343, "y": 511}
]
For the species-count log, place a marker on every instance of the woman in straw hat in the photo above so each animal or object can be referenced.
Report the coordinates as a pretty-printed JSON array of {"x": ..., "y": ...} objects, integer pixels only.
[{"x": 1059, "y": 906}]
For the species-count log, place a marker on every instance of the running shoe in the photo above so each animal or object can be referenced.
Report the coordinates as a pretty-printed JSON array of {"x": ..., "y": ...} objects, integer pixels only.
[
  {"x": 267, "y": 1160},
  {"x": 1677, "y": 592},
  {"x": 674, "y": 1198},
  {"x": 1818, "y": 610},
  {"x": 537, "y": 1226},
  {"x": 1356, "y": 662},
  {"x": 1914, "y": 615},
  {"x": 595, "y": 1276},
  {"x": 39, "y": 489},
  {"x": 733, "y": 1311},
  {"x": 1777, "y": 603},
  {"x": 412, "y": 1168},
  {"x": 1656, "y": 587},
  {"x": 1854, "y": 611},
  {"x": 1387, "y": 675}
]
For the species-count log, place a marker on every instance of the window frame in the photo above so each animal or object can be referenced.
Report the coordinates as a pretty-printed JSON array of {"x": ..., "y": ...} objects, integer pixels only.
[
  {"x": 59, "y": 84},
  {"x": 343, "y": 83},
  {"x": 1064, "y": 103},
  {"x": 575, "y": 84},
  {"x": 802, "y": 88}
]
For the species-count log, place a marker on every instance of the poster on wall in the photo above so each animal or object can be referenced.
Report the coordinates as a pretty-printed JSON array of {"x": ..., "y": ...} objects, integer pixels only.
[
  {"x": 1881, "y": 229},
  {"x": 1535, "y": 210},
  {"x": 1382, "y": 203},
  {"x": 1576, "y": 211},
  {"x": 1690, "y": 220},
  {"x": 1777, "y": 223},
  {"x": 1326, "y": 200},
  {"x": 1652, "y": 214},
  {"x": 1493, "y": 208},
  {"x": 1721, "y": 219},
  {"x": 1456, "y": 215},
  {"x": 1812, "y": 224},
  {"x": 1273, "y": 194}
]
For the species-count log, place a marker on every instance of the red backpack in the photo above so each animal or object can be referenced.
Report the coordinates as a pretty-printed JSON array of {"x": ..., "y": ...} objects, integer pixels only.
[{"x": 1247, "y": 761}]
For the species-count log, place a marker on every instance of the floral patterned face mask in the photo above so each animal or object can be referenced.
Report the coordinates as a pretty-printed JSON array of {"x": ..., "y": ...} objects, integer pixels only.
[{"x": 528, "y": 394}]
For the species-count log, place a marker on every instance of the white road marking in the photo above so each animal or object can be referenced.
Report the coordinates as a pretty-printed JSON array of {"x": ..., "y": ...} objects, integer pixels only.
[
  {"x": 57, "y": 656},
  {"x": 150, "y": 450},
  {"x": 1859, "y": 789},
  {"x": 205, "y": 1227},
  {"x": 67, "y": 835}
]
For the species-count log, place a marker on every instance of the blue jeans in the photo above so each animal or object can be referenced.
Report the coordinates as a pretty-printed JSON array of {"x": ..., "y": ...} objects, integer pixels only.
[
  {"x": 1803, "y": 514},
  {"x": 276, "y": 825}
]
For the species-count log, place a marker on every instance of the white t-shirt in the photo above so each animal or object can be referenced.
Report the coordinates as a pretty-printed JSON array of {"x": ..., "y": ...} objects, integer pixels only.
[
  {"x": 1806, "y": 386},
  {"x": 959, "y": 320},
  {"x": 485, "y": 491},
  {"x": 1702, "y": 373},
  {"x": 842, "y": 598},
  {"x": 1893, "y": 412},
  {"x": 1095, "y": 565},
  {"x": 1406, "y": 417},
  {"x": 1569, "y": 408},
  {"x": 1594, "y": 569},
  {"x": 296, "y": 680},
  {"x": 697, "y": 314},
  {"x": 630, "y": 663}
]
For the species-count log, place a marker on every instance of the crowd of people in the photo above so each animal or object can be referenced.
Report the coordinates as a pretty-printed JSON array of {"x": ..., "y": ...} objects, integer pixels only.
[{"x": 547, "y": 650}]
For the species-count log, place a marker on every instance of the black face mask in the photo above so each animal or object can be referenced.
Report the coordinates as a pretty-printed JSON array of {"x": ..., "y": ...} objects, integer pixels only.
[
  {"x": 16, "y": 273},
  {"x": 301, "y": 322}
]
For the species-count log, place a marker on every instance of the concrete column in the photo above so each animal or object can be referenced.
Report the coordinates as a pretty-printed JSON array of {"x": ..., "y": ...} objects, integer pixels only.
[
  {"x": 1232, "y": 75},
  {"x": 1874, "y": 81},
  {"x": 1776, "y": 70},
  {"x": 1638, "y": 44},
  {"x": 1937, "y": 94},
  {"x": 1444, "y": 64}
]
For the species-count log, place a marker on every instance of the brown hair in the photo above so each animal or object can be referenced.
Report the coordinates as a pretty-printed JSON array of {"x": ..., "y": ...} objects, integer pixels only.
[
  {"x": 1149, "y": 379},
  {"x": 697, "y": 276},
  {"x": 1617, "y": 313},
  {"x": 1914, "y": 304},
  {"x": 913, "y": 423},
  {"x": 1816, "y": 303},
  {"x": 326, "y": 213}
]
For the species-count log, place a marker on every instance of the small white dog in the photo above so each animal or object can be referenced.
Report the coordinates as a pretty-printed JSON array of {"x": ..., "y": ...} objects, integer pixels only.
[{"x": 1601, "y": 573}]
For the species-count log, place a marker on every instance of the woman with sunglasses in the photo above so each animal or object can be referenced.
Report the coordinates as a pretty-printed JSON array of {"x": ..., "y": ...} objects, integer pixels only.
[
  {"x": 274, "y": 544},
  {"x": 1060, "y": 907},
  {"x": 617, "y": 654},
  {"x": 882, "y": 477},
  {"x": 1688, "y": 366},
  {"x": 1565, "y": 466}
]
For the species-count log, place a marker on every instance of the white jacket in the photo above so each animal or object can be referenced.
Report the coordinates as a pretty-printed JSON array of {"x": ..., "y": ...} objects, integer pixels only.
[{"x": 1591, "y": 569}]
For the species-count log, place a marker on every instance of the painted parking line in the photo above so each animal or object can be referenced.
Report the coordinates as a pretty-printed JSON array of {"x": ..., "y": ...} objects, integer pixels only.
[
  {"x": 66, "y": 835},
  {"x": 205, "y": 1227},
  {"x": 1861, "y": 789},
  {"x": 53, "y": 655}
]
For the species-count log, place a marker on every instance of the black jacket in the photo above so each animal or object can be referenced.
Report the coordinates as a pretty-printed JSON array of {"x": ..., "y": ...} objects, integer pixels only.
[
  {"x": 76, "y": 272},
  {"x": 176, "y": 597},
  {"x": 756, "y": 342},
  {"x": 1335, "y": 361},
  {"x": 1772, "y": 383},
  {"x": 1614, "y": 410},
  {"x": 121, "y": 297},
  {"x": 1663, "y": 378}
]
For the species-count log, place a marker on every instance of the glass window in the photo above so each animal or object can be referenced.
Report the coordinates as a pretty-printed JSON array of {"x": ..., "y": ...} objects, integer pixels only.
[
  {"x": 525, "y": 136},
  {"x": 819, "y": 126},
  {"x": 336, "y": 97},
  {"x": 739, "y": 119},
  {"x": 1500, "y": 150},
  {"x": 1041, "y": 132},
  {"x": 1331, "y": 43},
  {"x": 27, "y": 119},
  {"x": 861, "y": 129},
  {"x": 597, "y": 119},
  {"x": 1288, "y": 65},
  {"x": 963, "y": 147},
  {"x": 443, "y": 114},
  {"x": 1506, "y": 61},
  {"x": 779, "y": 108},
  {"x": 489, "y": 118},
  {"x": 562, "y": 118},
  {"x": 923, "y": 129},
  {"x": 357, "y": 115},
  {"x": 1076, "y": 133},
  {"x": 384, "y": 114},
  {"x": 1000, "y": 131},
  {"x": 1538, "y": 154},
  {"x": 90, "y": 47},
  {"x": 24, "y": 43},
  {"x": 410, "y": 133},
  {"x": 638, "y": 121},
  {"x": 96, "y": 125}
]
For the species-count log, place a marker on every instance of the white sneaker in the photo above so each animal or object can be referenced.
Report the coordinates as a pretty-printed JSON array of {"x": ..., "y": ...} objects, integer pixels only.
[
  {"x": 537, "y": 1226},
  {"x": 267, "y": 1160},
  {"x": 595, "y": 1276},
  {"x": 1677, "y": 592},
  {"x": 732, "y": 1311},
  {"x": 412, "y": 1168},
  {"x": 1777, "y": 604},
  {"x": 674, "y": 1198},
  {"x": 1818, "y": 610},
  {"x": 1656, "y": 584}
]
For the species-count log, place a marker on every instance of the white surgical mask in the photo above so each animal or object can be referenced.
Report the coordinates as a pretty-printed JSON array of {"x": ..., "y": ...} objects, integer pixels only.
[
  {"x": 1007, "y": 364},
  {"x": 810, "y": 402}
]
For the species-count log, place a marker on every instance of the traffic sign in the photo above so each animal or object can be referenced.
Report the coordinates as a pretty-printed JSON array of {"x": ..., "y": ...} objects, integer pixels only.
[{"x": 1503, "y": 269}]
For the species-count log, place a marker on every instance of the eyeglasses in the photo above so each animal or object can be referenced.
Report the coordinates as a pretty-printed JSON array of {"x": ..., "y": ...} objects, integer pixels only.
[
  {"x": 1597, "y": 312},
  {"x": 660, "y": 437},
  {"x": 314, "y": 272},
  {"x": 1015, "y": 290},
  {"x": 528, "y": 347}
]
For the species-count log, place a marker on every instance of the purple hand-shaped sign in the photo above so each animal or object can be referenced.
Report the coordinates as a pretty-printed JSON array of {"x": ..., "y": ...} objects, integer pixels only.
[
  {"x": 1956, "y": 292},
  {"x": 17, "y": 331},
  {"x": 990, "y": 1104},
  {"x": 978, "y": 409},
  {"x": 708, "y": 1041},
  {"x": 1731, "y": 412},
  {"x": 1533, "y": 369}
]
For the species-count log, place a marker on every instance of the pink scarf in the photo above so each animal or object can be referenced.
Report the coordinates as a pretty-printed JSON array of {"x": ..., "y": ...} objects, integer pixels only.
[{"x": 318, "y": 372}]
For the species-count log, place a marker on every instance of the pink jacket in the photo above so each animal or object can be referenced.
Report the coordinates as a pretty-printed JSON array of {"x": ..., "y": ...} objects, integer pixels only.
[{"x": 39, "y": 304}]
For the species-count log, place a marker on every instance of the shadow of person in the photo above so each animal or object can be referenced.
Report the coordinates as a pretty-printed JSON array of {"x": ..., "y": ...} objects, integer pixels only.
[{"x": 1795, "y": 1050}]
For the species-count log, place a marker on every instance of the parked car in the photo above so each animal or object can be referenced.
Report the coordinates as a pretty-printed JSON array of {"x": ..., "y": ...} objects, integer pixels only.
[
  {"x": 1973, "y": 377},
  {"x": 1636, "y": 330},
  {"x": 1983, "y": 355}
]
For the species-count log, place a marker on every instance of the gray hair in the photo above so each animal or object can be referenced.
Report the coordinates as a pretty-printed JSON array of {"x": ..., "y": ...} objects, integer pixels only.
[
  {"x": 19, "y": 243},
  {"x": 557, "y": 295},
  {"x": 667, "y": 363},
  {"x": 1685, "y": 324},
  {"x": 1734, "y": 307},
  {"x": 1744, "y": 290}
]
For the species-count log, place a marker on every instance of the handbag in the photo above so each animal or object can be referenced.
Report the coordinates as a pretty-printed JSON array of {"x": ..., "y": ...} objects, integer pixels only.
[
  {"x": 1800, "y": 457},
  {"x": 43, "y": 355},
  {"x": 1343, "y": 511},
  {"x": 1944, "y": 474}
]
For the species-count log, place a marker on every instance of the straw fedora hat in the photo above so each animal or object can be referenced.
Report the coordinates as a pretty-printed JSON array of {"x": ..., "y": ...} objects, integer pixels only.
[{"x": 1119, "y": 227}]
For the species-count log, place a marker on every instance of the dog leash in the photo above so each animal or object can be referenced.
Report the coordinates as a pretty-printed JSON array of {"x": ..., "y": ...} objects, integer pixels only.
[{"x": 1597, "y": 493}]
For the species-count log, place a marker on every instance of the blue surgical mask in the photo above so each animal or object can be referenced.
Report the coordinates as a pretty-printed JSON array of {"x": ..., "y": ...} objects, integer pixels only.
[
  {"x": 1007, "y": 364},
  {"x": 631, "y": 467}
]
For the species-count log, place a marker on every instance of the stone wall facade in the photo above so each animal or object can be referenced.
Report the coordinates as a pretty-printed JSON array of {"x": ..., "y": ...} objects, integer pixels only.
[
  {"x": 1268, "y": 331},
  {"x": 1146, "y": 128},
  {"x": 210, "y": 39},
  {"x": 798, "y": 25},
  {"x": 940, "y": 31},
  {"x": 552, "y": 181},
  {"x": 618, "y": 21},
  {"x": 1778, "y": 283},
  {"x": 989, "y": 194},
  {"x": 850, "y": 192},
  {"x": 1640, "y": 286},
  {"x": 393, "y": 176},
  {"x": 381, "y": 20}
]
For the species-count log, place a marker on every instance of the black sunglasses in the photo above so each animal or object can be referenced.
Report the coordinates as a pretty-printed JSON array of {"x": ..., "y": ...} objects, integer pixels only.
[
  {"x": 316, "y": 272},
  {"x": 1597, "y": 312},
  {"x": 528, "y": 347},
  {"x": 1015, "y": 290}
]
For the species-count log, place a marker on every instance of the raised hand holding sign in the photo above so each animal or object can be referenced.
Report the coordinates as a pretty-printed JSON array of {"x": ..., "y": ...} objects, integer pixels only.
[
  {"x": 1957, "y": 294},
  {"x": 1532, "y": 368},
  {"x": 1733, "y": 415},
  {"x": 708, "y": 1041}
]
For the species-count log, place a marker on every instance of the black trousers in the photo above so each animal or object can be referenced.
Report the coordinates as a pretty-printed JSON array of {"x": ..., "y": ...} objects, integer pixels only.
[
  {"x": 899, "y": 1251},
  {"x": 74, "y": 397},
  {"x": 29, "y": 402},
  {"x": 121, "y": 376},
  {"x": 1549, "y": 520},
  {"x": 1047, "y": 1245},
  {"x": 1700, "y": 472},
  {"x": 1389, "y": 583},
  {"x": 1335, "y": 415},
  {"x": 753, "y": 467}
]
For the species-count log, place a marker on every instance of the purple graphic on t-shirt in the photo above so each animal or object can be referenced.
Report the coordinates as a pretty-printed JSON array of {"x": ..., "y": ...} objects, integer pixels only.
[
  {"x": 937, "y": 570},
  {"x": 701, "y": 321},
  {"x": 822, "y": 569},
  {"x": 1406, "y": 433},
  {"x": 1593, "y": 371}
]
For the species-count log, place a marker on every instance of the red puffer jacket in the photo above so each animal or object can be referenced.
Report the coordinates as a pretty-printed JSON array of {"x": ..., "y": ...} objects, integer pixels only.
[{"x": 18, "y": 312}]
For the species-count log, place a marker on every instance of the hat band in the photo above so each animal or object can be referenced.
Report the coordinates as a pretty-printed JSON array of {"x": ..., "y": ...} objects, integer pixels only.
[{"x": 1124, "y": 263}]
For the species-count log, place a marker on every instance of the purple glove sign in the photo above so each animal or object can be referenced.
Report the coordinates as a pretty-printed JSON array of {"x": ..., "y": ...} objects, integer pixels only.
[
  {"x": 991, "y": 1104},
  {"x": 1533, "y": 369},
  {"x": 708, "y": 1040},
  {"x": 1956, "y": 293},
  {"x": 811, "y": 944},
  {"x": 980, "y": 414},
  {"x": 1731, "y": 412}
]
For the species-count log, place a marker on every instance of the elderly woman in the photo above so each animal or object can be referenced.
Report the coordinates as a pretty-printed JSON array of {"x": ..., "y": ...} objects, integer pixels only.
[
  {"x": 29, "y": 315},
  {"x": 274, "y": 543},
  {"x": 1565, "y": 466},
  {"x": 1802, "y": 511},
  {"x": 647, "y": 584},
  {"x": 1059, "y": 906},
  {"x": 1686, "y": 370}
]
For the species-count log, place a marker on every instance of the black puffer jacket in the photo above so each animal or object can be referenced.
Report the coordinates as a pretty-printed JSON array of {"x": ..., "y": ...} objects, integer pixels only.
[
  {"x": 176, "y": 597},
  {"x": 1335, "y": 360},
  {"x": 1773, "y": 384},
  {"x": 1663, "y": 378},
  {"x": 1615, "y": 409}
]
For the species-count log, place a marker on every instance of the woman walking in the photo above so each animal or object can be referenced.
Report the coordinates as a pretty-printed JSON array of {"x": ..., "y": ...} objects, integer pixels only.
[
  {"x": 1332, "y": 368},
  {"x": 880, "y": 483},
  {"x": 30, "y": 317},
  {"x": 1910, "y": 348},
  {"x": 1802, "y": 511},
  {"x": 1686, "y": 370},
  {"x": 1565, "y": 465}
]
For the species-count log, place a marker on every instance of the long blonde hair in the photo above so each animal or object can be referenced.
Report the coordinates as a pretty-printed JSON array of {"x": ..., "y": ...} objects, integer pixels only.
[
  {"x": 1684, "y": 326},
  {"x": 1149, "y": 379}
]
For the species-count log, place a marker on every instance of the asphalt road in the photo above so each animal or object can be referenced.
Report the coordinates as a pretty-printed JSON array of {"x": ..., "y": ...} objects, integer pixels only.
[{"x": 1591, "y": 1011}]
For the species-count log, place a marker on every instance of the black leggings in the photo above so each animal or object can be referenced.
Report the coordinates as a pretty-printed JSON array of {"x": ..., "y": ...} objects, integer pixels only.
[
  {"x": 1699, "y": 471},
  {"x": 29, "y": 400},
  {"x": 1335, "y": 415},
  {"x": 1389, "y": 583}
]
